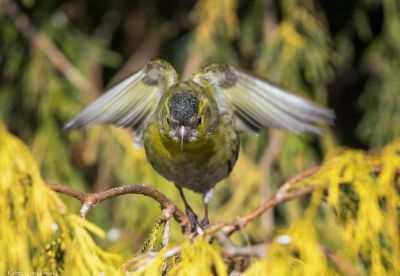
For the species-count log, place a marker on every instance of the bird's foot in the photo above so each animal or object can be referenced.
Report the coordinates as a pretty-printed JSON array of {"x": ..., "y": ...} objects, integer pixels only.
[
  {"x": 193, "y": 220},
  {"x": 197, "y": 227},
  {"x": 204, "y": 223}
]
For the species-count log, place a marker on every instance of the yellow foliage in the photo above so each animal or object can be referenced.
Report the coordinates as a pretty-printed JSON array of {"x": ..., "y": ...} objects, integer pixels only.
[
  {"x": 366, "y": 230},
  {"x": 213, "y": 17},
  {"x": 196, "y": 257},
  {"x": 243, "y": 186},
  {"x": 295, "y": 251},
  {"x": 199, "y": 258},
  {"x": 356, "y": 200},
  {"x": 290, "y": 39},
  {"x": 38, "y": 233}
]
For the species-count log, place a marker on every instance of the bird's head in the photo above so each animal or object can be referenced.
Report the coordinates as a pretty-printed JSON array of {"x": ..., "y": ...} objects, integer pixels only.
[{"x": 188, "y": 116}]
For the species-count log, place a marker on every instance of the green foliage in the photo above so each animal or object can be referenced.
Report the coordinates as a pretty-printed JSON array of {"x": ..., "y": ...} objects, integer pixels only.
[
  {"x": 299, "y": 44},
  {"x": 360, "y": 209},
  {"x": 216, "y": 24},
  {"x": 364, "y": 232},
  {"x": 382, "y": 95}
]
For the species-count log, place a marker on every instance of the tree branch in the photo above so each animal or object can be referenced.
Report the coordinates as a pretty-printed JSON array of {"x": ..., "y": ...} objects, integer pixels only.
[
  {"x": 281, "y": 196},
  {"x": 268, "y": 158},
  {"x": 230, "y": 250},
  {"x": 219, "y": 231},
  {"x": 260, "y": 250},
  {"x": 89, "y": 200}
]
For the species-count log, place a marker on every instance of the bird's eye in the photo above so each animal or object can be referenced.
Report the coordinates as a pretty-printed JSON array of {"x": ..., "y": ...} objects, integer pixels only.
[{"x": 198, "y": 121}]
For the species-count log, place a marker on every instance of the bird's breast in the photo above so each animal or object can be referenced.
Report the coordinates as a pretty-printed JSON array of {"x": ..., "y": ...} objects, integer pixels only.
[{"x": 197, "y": 166}]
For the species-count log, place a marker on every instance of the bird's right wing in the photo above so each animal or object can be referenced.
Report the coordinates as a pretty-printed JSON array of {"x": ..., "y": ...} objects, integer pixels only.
[{"x": 132, "y": 102}]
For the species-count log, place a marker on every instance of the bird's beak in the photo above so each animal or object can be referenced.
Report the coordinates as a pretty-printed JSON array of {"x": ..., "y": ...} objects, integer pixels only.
[{"x": 183, "y": 134}]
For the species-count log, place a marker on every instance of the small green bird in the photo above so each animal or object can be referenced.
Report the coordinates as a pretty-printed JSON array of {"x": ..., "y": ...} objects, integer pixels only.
[{"x": 190, "y": 129}]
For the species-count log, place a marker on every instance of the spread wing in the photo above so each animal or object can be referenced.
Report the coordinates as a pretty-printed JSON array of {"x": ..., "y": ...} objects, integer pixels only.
[
  {"x": 132, "y": 102},
  {"x": 257, "y": 103}
]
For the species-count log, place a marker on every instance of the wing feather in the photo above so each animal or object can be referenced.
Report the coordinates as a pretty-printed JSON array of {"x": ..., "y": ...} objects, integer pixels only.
[
  {"x": 132, "y": 102},
  {"x": 258, "y": 103}
]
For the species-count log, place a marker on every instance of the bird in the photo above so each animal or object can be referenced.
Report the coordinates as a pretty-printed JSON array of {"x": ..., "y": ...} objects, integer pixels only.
[{"x": 190, "y": 129}]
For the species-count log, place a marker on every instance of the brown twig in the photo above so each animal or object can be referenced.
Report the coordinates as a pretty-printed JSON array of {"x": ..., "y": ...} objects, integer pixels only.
[
  {"x": 136, "y": 259},
  {"x": 149, "y": 257},
  {"x": 220, "y": 231},
  {"x": 230, "y": 250},
  {"x": 270, "y": 20},
  {"x": 166, "y": 218},
  {"x": 257, "y": 250},
  {"x": 344, "y": 266},
  {"x": 260, "y": 250},
  {"x": 147, "y": 50},
  {"x": 268, "y": 158},
  {"x": 89, "y": 200},
  {"x": 298, "y": 177},
  {"x": 281, "y": 196},
  {"x": 46, "y": 46}
]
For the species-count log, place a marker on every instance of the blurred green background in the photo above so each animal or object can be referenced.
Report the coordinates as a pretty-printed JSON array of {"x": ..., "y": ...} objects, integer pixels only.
[{"x": 57, "y": 56}]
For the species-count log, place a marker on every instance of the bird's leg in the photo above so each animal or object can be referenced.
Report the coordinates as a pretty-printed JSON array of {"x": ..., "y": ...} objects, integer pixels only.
[
  {"x": 189, "y": 212},
  {"x": 206, "y": 200}
]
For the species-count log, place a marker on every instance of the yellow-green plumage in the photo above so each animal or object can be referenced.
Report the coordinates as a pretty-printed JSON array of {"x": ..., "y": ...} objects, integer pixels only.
[
  {"x": 190, "y": 128},
  {"x": 198, "y": 166}
]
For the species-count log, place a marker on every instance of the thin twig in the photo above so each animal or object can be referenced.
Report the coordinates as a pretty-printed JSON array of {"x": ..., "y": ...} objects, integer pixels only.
[
  {"x": 108, "y": 24},
  {"x": 40, "y": 41},
  {"x": 230, "y": 250},
  {"x": 268, "y": 158},
  {"x": 148, "y": 50},
  {"x": 281, "y": 196},
  {"x": 166, "y": 234},
  {"x": 257, "y": 250},
  {"x": 166, "y": 219},
  {"x": 193, "y": 63},
  {"x": 149, "y": 256},
  {"x": 89, "y": 200},
  {"x": 344, "y": 266},
  {"x": 297, "y": 178},
  {"x": 136, "y": 259},
  {"x": 260, "y": 250}
]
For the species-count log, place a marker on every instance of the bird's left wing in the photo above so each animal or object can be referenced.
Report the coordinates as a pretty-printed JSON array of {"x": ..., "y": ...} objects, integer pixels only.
[
  {"x": 132, "y": 102},
  {"x": 257, "y": 103}
]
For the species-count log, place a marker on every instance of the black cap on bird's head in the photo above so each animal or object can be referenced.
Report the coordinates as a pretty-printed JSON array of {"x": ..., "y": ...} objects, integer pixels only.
[
  {"x": 183, "y": 115},
  {"x": 183, "y": 107}
]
